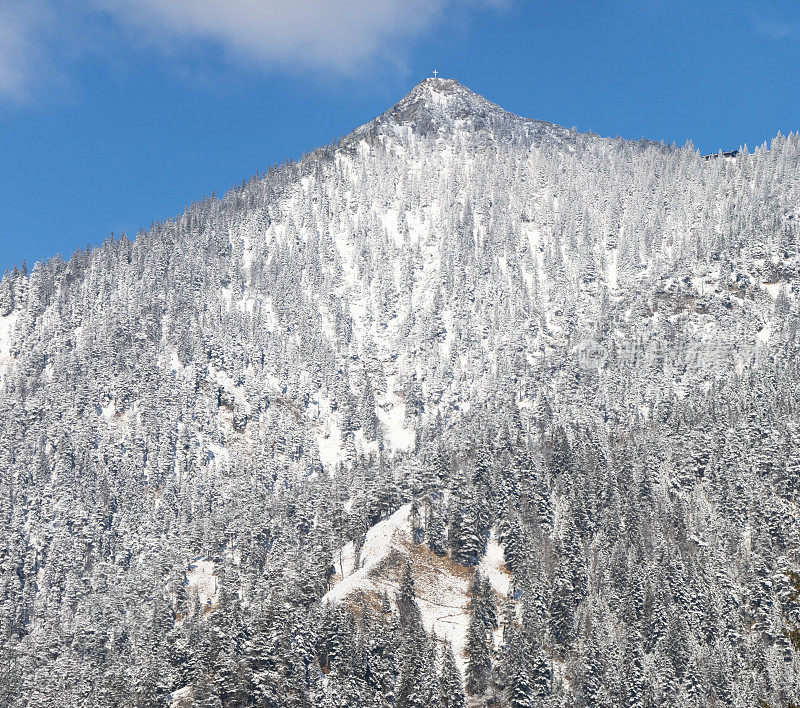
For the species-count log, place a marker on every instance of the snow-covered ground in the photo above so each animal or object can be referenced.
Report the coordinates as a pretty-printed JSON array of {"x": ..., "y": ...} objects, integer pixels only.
[
  {"x": 442, "y": 585},
  {"x": 398, "y": 437},
  {"x": 6, "y": 329},
  {"x": 202, "y": 579},
  {"x": 391, "y": 414},
  {"x": 330, "y": 445},
  {"x": 181, "y": 698}
]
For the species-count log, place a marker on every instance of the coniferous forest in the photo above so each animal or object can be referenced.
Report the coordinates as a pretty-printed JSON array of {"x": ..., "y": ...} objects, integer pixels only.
[{"x": 463, "y": 409}]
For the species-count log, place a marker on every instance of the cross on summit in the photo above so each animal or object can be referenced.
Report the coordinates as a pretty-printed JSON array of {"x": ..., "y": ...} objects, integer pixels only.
[{"x": 435, "y": 73}]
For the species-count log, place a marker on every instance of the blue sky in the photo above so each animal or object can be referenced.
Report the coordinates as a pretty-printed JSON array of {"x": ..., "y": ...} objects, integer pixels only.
[{"x": 115, "y": 113}]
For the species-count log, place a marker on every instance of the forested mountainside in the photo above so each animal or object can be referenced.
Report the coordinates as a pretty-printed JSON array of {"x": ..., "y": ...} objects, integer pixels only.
[{"x": 552, "y": 374}]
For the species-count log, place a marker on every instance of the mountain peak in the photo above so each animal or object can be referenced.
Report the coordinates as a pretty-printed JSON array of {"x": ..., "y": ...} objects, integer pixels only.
[
  {"x": 435, "y": 104},
  {"x": 445, "y": 87},
  {"x": 442, "y": 108}
]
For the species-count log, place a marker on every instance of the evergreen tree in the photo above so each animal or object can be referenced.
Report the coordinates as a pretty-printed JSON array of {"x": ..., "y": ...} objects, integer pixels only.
[
  {"x": 479, "y": 639},
  {"x": 450, "y": 680}
]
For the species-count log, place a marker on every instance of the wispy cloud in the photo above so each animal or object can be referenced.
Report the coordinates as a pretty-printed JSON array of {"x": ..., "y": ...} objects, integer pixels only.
[
  {"x": 774, "y": 30},
  {"x": 331, "y": 36},
  {"x": 305, "y": 33},
  {"x": 21, "y": 54}
]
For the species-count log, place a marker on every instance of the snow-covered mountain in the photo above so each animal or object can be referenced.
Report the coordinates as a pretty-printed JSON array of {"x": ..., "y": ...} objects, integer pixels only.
[
  {"x": 444, "y": 109},
  {"x": 493, "y": 337}
]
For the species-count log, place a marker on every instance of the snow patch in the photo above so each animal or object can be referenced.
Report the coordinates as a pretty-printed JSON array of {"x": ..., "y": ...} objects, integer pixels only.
[
  {"x": 492, "y": 565},
  {"x": 763, "y": 335},
  {"x": 229, "y": 386},
  {"x": 6, "y": 328},
  {"x": 174, "y": 361},
  {"x": 442, "y": 585},
  {"x": 202, "y": 579},
  {"x": 216, "y": 452},
  {"x": 330, "y": 446},
  {"x": 381, "y": 539},
  {"x": 181, "y": 698},
  {"x": 398, "y": 437}
]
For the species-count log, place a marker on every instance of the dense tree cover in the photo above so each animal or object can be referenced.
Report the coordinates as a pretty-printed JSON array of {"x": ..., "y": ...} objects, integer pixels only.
[{"x": 398, "y": 318}]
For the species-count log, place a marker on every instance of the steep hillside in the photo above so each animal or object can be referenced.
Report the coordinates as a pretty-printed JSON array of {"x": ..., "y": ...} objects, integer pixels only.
[{"x": 575, "y": 350}]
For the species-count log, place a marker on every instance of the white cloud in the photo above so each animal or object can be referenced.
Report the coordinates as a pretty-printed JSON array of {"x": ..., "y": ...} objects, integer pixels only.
[
  {"x": 774, "y": 30},
  {"x": 40, "y": 37},
  {"x": 20, "y": 53},
  {"x": 318, "y": 34}
]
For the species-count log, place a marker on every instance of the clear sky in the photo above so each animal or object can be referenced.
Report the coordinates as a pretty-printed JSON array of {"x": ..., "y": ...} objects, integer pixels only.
[{"x": 114, "y": 113}]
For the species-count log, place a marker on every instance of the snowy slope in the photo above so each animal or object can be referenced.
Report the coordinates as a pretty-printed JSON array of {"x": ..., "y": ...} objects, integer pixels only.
[
  {"x": 441, "y": 584},
  {"x": 6, "y": 329},
  {"x": 416, "y": 294},
  {"x": 202, "y": 580}
]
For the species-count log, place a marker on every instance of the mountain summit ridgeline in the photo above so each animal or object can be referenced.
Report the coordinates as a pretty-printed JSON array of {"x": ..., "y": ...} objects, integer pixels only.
[{"x": 443, "y": 109}]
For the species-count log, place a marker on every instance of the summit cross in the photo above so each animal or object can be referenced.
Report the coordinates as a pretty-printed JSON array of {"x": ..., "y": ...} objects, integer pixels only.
[{"x": 435, "y": 73}]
